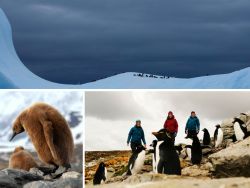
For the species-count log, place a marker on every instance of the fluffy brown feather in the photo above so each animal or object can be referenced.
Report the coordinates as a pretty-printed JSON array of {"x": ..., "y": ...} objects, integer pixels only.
[
  {"x": 22, "y": 159},
  {"x": 49, "y": 133}
]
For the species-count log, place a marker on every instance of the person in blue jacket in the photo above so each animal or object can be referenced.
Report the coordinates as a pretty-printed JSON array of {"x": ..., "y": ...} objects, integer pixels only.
[
  {"x": 192, "y": 126},
  {"x": 135, "y": 138}
]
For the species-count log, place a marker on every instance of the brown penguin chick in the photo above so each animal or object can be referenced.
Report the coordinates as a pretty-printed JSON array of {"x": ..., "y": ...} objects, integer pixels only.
[
  {"x": 22, "y": 159},
  {"x": 48, "y": 131}
]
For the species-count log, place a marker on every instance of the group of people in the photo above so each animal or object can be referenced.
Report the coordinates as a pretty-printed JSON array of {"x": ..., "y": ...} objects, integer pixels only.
[{"x": 136, "y": 134}]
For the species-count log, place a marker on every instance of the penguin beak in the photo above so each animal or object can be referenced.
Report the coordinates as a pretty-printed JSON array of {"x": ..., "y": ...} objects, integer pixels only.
[
  {"x": 155, "y": 133},
  {"x": 14, "y": 134}
]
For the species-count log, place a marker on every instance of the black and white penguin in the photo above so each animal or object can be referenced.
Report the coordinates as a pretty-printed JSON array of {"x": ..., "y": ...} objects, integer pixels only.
[
  {"x": 188, "y": 147},
  {"x": 169, "y": 162},
  {"x": 240, "y": 129},
  {"x": 206, "y": 137},
  {"x": 178, "y": 148},
  {"x": 218, "y": 136},
  {"x": 155, "y": 154},
  {"x": 100, "y": 174},
  {"x": 136, "y": 161},
  {"x": 194, "y": 150}
]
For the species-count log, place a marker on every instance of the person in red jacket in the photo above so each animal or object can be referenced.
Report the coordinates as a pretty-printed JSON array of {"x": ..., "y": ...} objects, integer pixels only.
[{"x": 171, "y": 125}]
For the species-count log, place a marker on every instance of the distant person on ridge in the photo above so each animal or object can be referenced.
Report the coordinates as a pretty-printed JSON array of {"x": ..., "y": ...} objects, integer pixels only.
[
  {"x": 192, "y": 126},
  {"x": 171, "y": 125},
  {"x": 135, "y": 138}
]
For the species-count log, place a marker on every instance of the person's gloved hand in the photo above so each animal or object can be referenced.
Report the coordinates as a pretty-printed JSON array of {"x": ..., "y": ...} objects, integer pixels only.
[{"x": 197, "y": 131}]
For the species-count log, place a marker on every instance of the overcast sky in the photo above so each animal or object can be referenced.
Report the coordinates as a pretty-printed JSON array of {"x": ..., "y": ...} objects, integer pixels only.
[
  {"x": 79, "y": 41},
  {"x": 110, "y": 115}
]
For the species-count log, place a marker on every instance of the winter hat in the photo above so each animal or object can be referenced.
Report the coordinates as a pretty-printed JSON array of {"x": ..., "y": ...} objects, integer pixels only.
[{"x": 170, "y": 112}]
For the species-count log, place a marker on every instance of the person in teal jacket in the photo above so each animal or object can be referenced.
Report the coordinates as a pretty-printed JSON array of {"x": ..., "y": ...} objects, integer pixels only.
[
  {"x": 135, "y": 138},
  {"x": 192, "y": 126}
]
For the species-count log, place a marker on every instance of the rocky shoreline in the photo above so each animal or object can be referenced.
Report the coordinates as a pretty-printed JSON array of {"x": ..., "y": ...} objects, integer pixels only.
[
  {"x": 15, "y": 178},
  {"x": 227, "y": 166}
]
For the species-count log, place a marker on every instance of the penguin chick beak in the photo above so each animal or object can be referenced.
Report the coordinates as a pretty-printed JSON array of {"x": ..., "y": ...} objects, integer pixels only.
[{"x": 14, "y": 134}]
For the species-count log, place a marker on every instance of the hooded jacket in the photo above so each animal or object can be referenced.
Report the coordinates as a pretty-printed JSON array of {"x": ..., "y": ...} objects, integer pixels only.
[
  {"x": 193, "y": 124},
  {"x": 136, "y": 135},
  {"x": 171, "y": 125}
]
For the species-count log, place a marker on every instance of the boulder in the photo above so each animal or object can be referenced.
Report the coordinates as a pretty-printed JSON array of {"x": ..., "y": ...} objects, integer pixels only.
[
  {"x": 7, "y": 182},
  {"x": 232, "y": 161},
  {"x": 227, "y": 127},
  {"x": 13, "y": 178},
  {"x": 16, "y": 178},
  {"x": 197, "y": 171},
  {"x": 69, "y": 183},
  {"x": 71, "y": 174}
]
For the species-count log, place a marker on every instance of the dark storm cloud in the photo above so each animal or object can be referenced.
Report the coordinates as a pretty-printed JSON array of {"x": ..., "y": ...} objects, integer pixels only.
[{"x": 87, "y": 40}]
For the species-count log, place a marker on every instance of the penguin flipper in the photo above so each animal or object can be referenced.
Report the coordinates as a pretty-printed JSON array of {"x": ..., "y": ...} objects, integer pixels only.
[{"x": 48, "y": 133}]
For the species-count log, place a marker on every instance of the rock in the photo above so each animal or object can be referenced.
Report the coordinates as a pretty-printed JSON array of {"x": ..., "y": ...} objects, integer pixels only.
[
  {"x": 12, "y": 178},
  {"x": 72, "y": 174},
  {"x": 147, "y": 168},
  {"x": 6, "y": 181},
  {"x": 246, "y": 119},
  {"x": 196, "y": 171},
  {"x": 36, "y": 171},
  {"x": 116, "y": 179},
  {"x": 227, "y": 127},
  {"x": 110, "y": 169},
  {"x": 18, "y": 178},
  {"x": 232, "y": 161},
  {"x": 141, "y": 178},
  {"x": 66, "y": 183},
  {"x": 184, "y": 163},
  {"x": 38, "y": 184},
  {"x": 207, "y": 151},
  {"x": 182, "y": 182},
  {"x": 207, "y": 166}
]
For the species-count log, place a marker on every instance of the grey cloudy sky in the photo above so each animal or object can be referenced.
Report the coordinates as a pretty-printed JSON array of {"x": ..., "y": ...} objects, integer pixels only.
[
  {"x": 80, "y": 41},
  {"x": 110, "y": 115}
]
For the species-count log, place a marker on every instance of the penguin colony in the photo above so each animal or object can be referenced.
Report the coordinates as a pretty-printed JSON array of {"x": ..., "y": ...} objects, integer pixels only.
[
  {"x": 49, "y": 132},
  {"x": 165, "y": 155},
  {"x": 193, "y": 150}
]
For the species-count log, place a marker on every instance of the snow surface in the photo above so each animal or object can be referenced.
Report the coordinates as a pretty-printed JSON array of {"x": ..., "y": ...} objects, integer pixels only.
[
  {"x": 69, "y": 103},
  {"x": 13, "y": 74}
]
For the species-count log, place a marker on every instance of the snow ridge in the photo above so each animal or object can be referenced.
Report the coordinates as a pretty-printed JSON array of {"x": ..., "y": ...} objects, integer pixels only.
[{"x": 14, "y": 74}]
